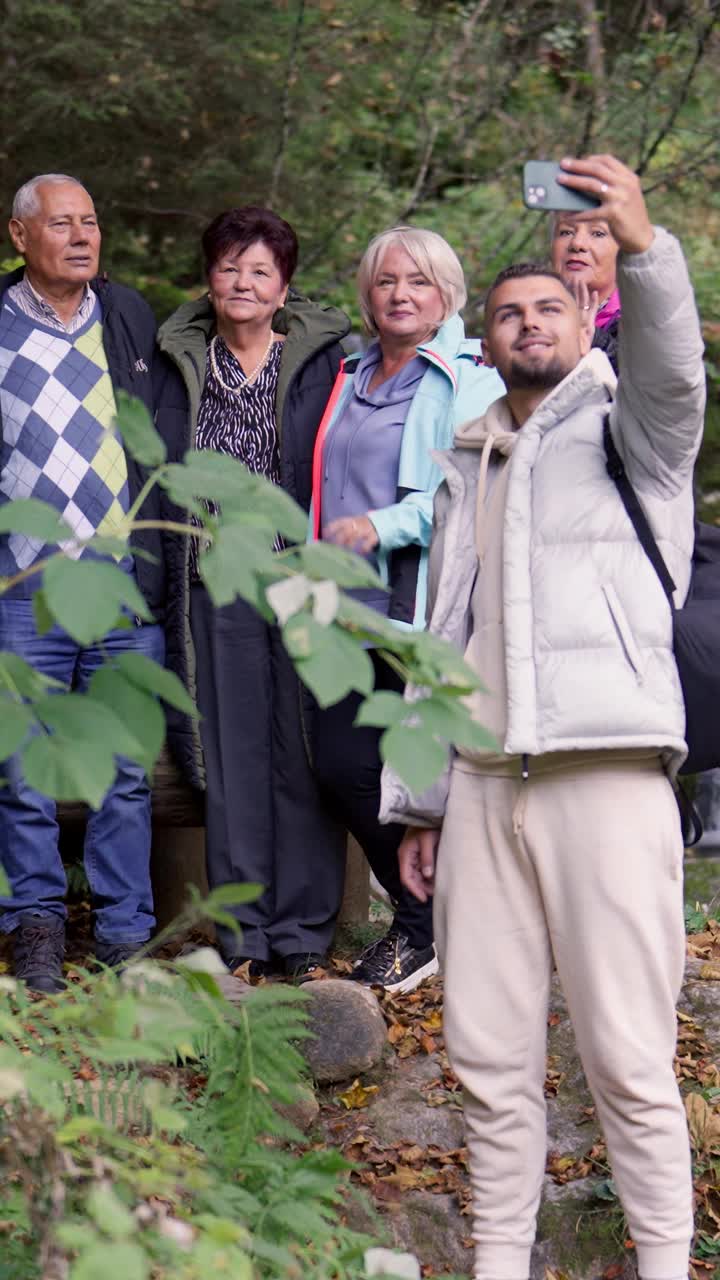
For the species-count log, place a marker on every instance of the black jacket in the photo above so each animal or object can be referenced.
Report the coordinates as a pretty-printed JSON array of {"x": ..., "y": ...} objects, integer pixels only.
[
  {"x": 135, "y": 366},
  {"x": 309, "y": 363}
]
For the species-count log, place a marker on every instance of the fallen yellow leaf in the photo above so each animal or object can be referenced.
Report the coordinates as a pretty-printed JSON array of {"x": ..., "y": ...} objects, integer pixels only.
[{"x": 358, "y": 1095}]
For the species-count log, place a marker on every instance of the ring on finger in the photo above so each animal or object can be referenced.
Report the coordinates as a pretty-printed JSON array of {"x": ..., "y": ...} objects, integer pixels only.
[{"x": 603, "y": 188}]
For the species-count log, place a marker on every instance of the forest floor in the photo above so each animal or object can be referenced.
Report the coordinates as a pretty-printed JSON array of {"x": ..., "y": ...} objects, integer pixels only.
[{"x": 401, "y": 1124}]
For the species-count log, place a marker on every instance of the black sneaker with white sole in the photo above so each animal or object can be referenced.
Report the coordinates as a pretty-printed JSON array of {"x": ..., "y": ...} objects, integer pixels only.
[{"x": 393, "y": 964}]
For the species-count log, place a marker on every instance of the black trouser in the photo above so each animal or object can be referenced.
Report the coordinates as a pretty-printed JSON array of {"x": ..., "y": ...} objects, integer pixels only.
[
  {"x": 265, "y": 821},
  {"x": 348, "y": 766}
]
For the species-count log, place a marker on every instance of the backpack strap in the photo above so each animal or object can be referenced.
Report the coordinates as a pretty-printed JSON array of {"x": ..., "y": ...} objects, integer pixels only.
[{"x": 636, "y": 515}]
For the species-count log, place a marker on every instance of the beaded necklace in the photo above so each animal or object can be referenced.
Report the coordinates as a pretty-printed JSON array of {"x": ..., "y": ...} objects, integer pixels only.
[{"x": 248, "y": 379}]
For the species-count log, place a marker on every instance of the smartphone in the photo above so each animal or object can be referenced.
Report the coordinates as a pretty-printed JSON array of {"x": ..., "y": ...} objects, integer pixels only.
[{"x": 542, "y": 191}]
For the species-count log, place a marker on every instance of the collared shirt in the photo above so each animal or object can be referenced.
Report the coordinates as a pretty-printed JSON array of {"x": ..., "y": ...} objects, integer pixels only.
[{"x": 37, "y": 308}]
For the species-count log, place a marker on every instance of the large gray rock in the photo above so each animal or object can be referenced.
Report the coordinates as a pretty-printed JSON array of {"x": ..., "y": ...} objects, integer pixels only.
[
  {"x": 432, "y": 1227},
  {"x": 348, "y": 1030}
]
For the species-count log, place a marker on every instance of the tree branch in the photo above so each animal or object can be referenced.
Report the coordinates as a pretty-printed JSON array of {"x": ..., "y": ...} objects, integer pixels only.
[
  {"x": 290, "y": 78},
  {"x": 702, "y": 40}
]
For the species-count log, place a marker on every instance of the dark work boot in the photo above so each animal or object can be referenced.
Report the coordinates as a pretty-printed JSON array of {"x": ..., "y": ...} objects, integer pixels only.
[
  {"x": 116, "y": 955},
  {"x": 38, "y": 953}
]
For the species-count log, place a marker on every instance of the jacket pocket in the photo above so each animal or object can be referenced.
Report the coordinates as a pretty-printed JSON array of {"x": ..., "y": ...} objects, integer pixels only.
[{"x": 624, "y": 632}]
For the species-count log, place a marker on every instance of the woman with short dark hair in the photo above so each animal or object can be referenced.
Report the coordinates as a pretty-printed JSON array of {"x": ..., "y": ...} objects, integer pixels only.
[{"x": 258, "y": 364}]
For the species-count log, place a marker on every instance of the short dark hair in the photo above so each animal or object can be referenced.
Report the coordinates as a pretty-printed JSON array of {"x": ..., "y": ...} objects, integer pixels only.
[
  {"x": 236, "y": 229},
  {"x": 523, "y": 271}
]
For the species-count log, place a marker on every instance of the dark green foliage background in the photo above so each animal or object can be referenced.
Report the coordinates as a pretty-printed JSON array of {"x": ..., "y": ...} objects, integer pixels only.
[{"x": 348, "y": 116}]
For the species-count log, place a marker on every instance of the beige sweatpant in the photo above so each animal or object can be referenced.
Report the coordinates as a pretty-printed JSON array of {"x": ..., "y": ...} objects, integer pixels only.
[{"x": 584, "y": 866}]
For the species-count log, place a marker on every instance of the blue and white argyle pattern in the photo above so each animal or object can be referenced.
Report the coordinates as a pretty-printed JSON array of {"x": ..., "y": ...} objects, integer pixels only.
[{"x": 57, "y": 407}]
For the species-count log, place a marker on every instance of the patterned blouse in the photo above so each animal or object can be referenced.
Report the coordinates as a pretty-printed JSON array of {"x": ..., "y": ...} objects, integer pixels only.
[{"x": 242, "y": 423}]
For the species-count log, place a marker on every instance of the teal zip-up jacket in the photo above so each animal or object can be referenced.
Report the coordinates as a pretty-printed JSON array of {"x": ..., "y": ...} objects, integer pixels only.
[{"x": 456, "y": 386}]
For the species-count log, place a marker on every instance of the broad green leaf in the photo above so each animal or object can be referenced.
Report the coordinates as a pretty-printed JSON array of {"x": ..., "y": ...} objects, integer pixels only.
[
  {"x": 68, "y": 770},
  {"x": 138, "y": 433},
  {"x": 438, "y": 661},
  {"x": 369, "y": 624},
  {"x": 109, "y": 1212},
  {"x": 382, "y": 709},
  {"x": 80, "y": 716},
  {"x": 229, "y": 568},
  {"x": 323, "y": 560},
  {"x": 35, "y": 519},
  {"x": 122, "y": 1259},
  {"x": 415, "y": 757},
  {"x": 44, "y": 620},
  {"x": 239, "y": 493},
  {"x": 118, "y": 547},
  {"x": 268, "y": 503},
  {"x": 136, "y": 709},
  {"x": 15, "y": 720},
  {"x": 149, "y": 675},
  {"x": 86, "y": 597},
  {"x": 453, "y": 722},
  {"x": 20, "y": 678},
  {"x": 328, "y": 660}
]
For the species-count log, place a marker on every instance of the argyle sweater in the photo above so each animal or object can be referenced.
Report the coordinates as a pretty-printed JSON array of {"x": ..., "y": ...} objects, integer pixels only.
[{"x": 57, "y": 407}]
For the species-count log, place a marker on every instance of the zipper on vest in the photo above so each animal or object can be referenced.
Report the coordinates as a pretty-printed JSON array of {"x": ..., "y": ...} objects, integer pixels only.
[{"x": 525, "y": 768}]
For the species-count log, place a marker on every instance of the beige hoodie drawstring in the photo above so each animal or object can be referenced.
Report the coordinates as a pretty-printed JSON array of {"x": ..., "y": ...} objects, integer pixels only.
[{"x": 480, "y": 503}]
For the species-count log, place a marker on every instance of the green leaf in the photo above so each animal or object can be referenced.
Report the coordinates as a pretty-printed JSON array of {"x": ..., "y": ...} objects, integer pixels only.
[
  {"x": 86, "y": 597},
  {"x": 453, "y": 722},
  {"x": 148, "y": 675},
  {"x": 136, "y": 709},
  {"x": 15, "y": 720},
  {"x": 81, "y": 716},
  {"x": 240, "y": 494},
  {"x": 323, "y": 560},
  {"x": 417, "y": 759},
  {"x": 268, "y": 504},
  {"x": 439, "y": 662},
  {"x": 123, "y": 1258},
  {"x": 371, "y": 625},
  {"x": 35, "y": 519},
  {"x": 327, "y": 659},
  {"x": 382, "y": 709},
  {"x": 237, "y": 555},
  {"x": 109, "y": 1212},
  {"x": 68, "y": 770},
  {"x": 138, "y": 433},
  {"x": 20, "y": 678},
  {"x": 44, "y": 620},
  {"x": 5, "y": 889}
]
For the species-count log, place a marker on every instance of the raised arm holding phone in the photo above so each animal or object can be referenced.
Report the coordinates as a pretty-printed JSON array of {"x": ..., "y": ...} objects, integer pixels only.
[{"x": 564, "y": 846}]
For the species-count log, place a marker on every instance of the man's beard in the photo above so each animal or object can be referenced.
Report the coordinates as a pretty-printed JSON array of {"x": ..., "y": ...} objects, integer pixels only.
[{"x": 541, "y": 377}]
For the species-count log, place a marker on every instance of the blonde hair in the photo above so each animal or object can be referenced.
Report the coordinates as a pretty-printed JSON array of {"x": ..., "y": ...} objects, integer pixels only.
[{"x": 432, "y": 256}]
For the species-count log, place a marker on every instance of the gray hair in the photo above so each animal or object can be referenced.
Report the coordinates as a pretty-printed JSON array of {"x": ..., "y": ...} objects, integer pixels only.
[
  {"x": 431, "y": 254},
  {"x": 26, "y": 202}
]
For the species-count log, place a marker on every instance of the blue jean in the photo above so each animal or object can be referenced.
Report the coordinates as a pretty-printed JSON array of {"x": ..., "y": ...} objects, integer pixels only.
[{"x": 117, "y": 840}]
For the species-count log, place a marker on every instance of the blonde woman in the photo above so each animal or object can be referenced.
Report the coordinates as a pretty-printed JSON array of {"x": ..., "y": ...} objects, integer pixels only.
[{"x": 373, "y": 484}]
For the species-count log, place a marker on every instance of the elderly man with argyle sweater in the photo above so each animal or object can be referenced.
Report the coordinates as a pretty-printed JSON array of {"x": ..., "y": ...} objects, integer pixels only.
[{"x": 68, "y": 341}]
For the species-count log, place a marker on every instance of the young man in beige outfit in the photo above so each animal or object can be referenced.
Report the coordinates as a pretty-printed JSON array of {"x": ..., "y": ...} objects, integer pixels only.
[{"x": 565, "y": 845}]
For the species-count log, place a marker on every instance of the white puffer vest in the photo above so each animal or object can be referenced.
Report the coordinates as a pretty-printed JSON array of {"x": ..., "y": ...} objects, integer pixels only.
[{"x": 588, "y": 629}]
